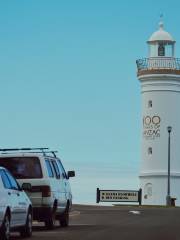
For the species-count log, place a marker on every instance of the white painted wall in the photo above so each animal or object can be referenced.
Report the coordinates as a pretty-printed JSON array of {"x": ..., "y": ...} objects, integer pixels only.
[
  {"x": 164, "y": 92},
  {"x": 159, "y": 190}
]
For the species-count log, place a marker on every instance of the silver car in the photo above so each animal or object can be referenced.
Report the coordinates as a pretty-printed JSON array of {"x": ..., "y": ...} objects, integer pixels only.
[{"x": 15, "y": 207}]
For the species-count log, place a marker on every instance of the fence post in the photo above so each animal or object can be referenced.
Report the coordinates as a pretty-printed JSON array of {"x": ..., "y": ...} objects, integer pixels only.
[
  {"x": 140, "y": 196},
  {"x": 97, "y": 195}
]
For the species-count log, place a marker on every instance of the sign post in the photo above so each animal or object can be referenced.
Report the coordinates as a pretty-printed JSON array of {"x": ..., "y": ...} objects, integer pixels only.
[{"x": 118, "y": 196}]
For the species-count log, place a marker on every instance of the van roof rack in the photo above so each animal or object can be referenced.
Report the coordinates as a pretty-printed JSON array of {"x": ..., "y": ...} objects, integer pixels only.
[
  {"x": 22, "y": 149},
  {"x": 43, "y": 150}
]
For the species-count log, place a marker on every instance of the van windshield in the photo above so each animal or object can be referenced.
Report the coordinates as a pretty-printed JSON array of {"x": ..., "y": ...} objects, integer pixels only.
[{"x": 22, "y": 167}]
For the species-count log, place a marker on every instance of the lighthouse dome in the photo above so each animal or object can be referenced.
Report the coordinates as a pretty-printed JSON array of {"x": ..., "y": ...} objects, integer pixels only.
[{"x": 161, "y": 35}]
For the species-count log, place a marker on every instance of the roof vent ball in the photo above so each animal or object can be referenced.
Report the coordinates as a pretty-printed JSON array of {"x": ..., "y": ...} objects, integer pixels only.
[{"x": 161, "y": 25}]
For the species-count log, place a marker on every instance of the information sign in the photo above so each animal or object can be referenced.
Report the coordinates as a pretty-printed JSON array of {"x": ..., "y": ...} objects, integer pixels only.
[{"x": 118, "y": 196}]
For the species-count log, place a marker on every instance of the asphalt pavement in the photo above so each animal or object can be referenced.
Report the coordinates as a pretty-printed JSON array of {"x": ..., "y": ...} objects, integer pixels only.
[{"x": 118, "y": 222}]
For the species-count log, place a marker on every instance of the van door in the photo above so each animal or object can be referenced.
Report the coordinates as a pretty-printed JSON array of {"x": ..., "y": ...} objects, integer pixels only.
[
  {"x": 64, "y": 180},
  {"x": 59, "y": 187}
]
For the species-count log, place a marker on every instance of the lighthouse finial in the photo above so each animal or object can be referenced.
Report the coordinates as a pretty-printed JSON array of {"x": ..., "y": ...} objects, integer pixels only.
[{"x": 161, "y": 24}]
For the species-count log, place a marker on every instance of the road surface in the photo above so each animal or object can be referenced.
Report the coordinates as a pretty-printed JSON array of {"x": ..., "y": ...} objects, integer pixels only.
[{"x": 109, "y": 223}]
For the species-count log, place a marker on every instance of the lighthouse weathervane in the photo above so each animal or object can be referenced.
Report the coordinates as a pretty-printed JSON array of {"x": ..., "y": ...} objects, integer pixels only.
[{"x": 159, "y": 76}]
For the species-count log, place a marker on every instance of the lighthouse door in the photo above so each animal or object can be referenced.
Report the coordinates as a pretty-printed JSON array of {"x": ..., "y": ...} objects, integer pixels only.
[{"x": 148, "y": 192}]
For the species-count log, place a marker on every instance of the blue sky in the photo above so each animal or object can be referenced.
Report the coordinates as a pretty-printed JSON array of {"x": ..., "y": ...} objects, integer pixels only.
[{"x": 68, "y": 81}]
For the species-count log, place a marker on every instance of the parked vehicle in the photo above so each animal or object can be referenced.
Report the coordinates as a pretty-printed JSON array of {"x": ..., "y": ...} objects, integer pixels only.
[
  {"x": 15, "y": 207},
  {"x": 42, "y": 175}
]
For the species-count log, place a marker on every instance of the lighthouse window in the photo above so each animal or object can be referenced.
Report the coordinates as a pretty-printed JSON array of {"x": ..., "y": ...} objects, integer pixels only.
[
  {"x": 150, "y": 150},
  {"x": 149, "y": 104},
  {"x": 161, "y": 50}
]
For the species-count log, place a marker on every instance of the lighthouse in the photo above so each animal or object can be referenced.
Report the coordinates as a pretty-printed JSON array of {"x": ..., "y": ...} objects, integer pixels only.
[{"x": 159, "y": 76}]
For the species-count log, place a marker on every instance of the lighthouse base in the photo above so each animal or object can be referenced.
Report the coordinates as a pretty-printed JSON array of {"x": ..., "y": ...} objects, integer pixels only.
[{"x": 154, "y": 189}]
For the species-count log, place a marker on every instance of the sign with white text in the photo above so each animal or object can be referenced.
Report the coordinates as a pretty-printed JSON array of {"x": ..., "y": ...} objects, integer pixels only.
[{"x": 118, "y": 196}]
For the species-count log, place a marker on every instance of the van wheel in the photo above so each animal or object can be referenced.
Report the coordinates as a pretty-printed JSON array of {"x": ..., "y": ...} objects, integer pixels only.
[
  {"x": 5, "y": 229},
  {"x": 51, "y": 221},
  {"x": 26, "y": 231},
  {"x": 64, "y": 218}
]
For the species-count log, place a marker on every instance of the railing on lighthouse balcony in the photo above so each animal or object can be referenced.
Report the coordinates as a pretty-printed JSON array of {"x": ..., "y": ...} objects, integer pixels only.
[
  {"x": 161, "y": 57},
  {"x": 158, "y": 65}
]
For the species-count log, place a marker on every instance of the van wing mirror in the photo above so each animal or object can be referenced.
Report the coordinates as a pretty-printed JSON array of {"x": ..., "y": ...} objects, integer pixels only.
[
  {"x": 26, "y": 187},
  {"x": 71, "y": 174}
]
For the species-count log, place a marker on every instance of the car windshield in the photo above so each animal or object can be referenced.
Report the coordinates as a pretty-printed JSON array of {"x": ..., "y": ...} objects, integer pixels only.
[{"x": 22, "y": 167}]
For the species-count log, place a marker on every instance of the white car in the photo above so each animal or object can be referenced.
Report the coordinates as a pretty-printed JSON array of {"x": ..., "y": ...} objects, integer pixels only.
[
  {"x": 42, "y": 175},
  {"x": 15, "y": 207}
]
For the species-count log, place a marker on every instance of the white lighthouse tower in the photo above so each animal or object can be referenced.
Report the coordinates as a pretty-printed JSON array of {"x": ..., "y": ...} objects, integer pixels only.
[{"x": 159, "y": 75}]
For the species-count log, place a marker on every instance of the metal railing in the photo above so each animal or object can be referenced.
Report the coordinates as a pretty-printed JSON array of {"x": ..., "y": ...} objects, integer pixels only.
[
  {"x": 158, "y": 63},
  {"x": 42, "y": 150}
]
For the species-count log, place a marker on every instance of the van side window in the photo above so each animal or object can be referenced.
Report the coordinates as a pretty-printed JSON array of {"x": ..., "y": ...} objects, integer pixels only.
[
  {"x": 56, "y": 169},
  {"x": 49, "y": 169},
  {"x": 63, "y": 173}
]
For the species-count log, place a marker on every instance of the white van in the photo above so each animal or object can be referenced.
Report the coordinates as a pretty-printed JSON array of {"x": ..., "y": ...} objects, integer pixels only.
[{"x": 41, "y": 174}]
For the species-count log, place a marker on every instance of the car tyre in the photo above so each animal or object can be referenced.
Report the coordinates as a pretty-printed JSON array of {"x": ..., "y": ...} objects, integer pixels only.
[
  {"x": 26, "y": 231},
  {"x": 64, "y": 218},
  {"x": 5, "y": 229},
  {"x": 51, "y": 221}
]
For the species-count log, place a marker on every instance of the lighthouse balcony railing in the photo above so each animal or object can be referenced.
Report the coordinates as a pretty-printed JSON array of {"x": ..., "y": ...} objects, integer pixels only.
[{"x": 158, "y": 63}]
